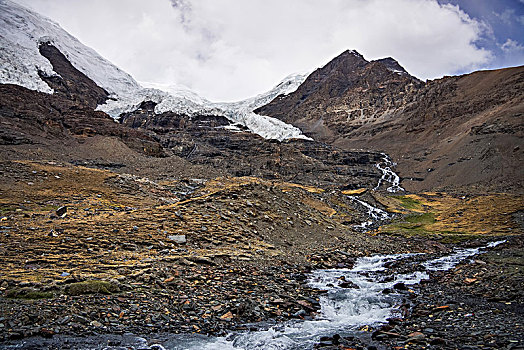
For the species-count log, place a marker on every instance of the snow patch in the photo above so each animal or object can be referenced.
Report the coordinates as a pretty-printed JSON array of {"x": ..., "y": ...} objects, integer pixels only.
[{"x": 267, "y": 127}]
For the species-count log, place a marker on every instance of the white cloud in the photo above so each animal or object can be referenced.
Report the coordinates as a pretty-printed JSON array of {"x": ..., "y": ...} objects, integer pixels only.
[
  {"x": 512, "y": 53},
  {"x": 507, "y": 16},
  {"x": 233, "y": 49},
  {"x": 511, "y": 46}
]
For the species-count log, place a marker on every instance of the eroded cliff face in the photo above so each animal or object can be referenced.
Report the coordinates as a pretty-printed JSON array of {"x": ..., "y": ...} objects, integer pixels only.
[{"x": 209, "y": 141}]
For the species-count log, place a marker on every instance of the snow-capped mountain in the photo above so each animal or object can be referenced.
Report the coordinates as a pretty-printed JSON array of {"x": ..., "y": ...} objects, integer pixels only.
[{"x": 23, "y": 30}]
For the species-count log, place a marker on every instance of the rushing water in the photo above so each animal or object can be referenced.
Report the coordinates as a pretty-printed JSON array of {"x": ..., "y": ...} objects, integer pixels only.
[
  {"x": 388, "y": 175},
  {"x": 375, "y": 214},
  {"x": 343, "y": 310},
  {"x": 450, "y": 261}
]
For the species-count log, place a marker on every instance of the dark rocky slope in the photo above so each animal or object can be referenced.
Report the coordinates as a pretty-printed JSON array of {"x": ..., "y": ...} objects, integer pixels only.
[
  {"x": 203, "y": 140},
  {"x": 71, "y": 83},
  {"x": 344, "y": 95},
  {"x": 30, "y": 117},
  {"x": 454, "y": 132}
]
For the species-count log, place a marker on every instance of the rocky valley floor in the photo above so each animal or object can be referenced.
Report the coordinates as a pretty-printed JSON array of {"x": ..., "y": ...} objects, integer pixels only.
[{"x": 88, "y": 251}]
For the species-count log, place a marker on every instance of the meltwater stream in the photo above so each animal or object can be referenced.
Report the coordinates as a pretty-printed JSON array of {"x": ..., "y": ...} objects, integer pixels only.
[
  {"x": 375, "y": 215},
  {"x": 343, "y": 310},
  {"x": 388, "y": 175}
]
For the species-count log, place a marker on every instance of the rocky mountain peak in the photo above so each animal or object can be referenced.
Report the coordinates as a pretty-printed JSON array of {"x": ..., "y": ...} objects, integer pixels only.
[
  {"x": 351, "y": 68},
  {"x": 343, "y": 95},
  {"x": 339, "y": 69},
  {"x": 348, "y": 57},
  {"x": 393, "y": 65}
]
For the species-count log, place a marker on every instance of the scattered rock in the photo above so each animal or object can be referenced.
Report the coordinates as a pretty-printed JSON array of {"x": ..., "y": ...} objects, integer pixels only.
[
  {"x": 179, "y": 239},
  {"x": 96, "y": 324},
  {"x": 228, "y": 316},
  {"x": 400, "y": 286},
  {"x": 62, "y": 211},
  {"x": 348, "y": 284}
]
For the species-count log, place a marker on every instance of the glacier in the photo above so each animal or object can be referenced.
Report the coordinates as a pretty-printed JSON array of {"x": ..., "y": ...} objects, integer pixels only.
[{"x": 23, "y": 30}]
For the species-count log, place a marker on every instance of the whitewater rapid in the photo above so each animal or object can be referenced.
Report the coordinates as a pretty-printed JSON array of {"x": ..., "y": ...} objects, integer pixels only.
[
  {"x": 343, "y": 310},
  {"x": 388, "y": 175},
  {"x": 377, "y": 216}
]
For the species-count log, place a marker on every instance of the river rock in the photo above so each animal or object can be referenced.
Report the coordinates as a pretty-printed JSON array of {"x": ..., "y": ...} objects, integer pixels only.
[
  {"x": 400, "y": 286},
  {"x": 180, "y": 239},
  {"x": 348, "y": 284},
  {"x": 228, "y": 316},
  {"x": 415, "y": 337},
  {"x": 96, "y": 324},
  {"x": 62, "y": 211}
]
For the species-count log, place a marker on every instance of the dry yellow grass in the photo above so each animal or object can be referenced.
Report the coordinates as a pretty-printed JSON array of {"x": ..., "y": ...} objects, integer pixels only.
[
  {"x": 354, "y": 192},
  {"x": 451, "y": 215}
]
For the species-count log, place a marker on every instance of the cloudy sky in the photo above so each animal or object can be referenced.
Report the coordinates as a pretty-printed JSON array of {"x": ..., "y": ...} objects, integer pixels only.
[{"x": 228, "y": 50}]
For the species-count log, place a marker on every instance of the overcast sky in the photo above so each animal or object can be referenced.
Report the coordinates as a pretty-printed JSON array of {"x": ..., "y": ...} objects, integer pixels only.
[{"x": 228, "y": 50}]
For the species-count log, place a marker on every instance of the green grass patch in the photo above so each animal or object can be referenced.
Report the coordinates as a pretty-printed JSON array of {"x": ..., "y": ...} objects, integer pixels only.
[
  {"x": 415, "y": 224},
  {"x": 420, "y": 225},
  {"x": 408, "y": 202},
  {"x": 421, "y": 219},
  {"x": 91, "y": 287},
  {"x": 27, "y": 293}
]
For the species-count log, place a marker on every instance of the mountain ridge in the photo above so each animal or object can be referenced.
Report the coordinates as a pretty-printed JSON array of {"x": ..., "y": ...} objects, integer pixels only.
[
  {"x": 453, "y": 132},
  {"x": 343, "y": 95}
]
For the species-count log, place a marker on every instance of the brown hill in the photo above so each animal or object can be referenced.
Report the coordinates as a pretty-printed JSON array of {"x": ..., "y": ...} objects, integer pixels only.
[{"x": 454, "y": 132}]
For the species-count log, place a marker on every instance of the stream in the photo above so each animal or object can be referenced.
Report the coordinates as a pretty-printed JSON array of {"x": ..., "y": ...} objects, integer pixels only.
[
  {"x": 375, "y": 215},
  {"x": 388, "y": 175},
  {"x": 343, "y": 310}
]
